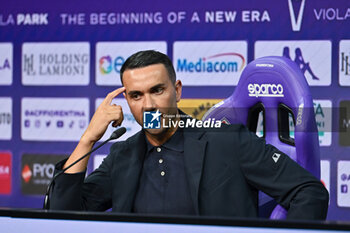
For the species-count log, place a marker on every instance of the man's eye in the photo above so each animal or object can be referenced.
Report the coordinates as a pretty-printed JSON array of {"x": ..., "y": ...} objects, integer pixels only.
[
  {"x": 158, "y": 90},
  {"x": 135, "y": 96}
]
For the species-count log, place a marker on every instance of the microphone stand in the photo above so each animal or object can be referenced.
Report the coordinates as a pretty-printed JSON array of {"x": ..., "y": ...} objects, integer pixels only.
[{"x": 116, "y": 134}]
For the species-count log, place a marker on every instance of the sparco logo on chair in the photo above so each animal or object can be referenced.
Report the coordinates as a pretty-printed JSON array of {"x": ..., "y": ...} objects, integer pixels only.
[{"x": 265, "y": 90}]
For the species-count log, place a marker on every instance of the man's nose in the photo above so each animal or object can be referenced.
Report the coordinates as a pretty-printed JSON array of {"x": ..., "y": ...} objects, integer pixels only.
[{"x": 149, "y": 104}]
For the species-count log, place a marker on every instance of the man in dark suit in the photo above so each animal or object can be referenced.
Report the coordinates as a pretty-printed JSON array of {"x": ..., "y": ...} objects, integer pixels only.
[{"x": 179, "y": 170}]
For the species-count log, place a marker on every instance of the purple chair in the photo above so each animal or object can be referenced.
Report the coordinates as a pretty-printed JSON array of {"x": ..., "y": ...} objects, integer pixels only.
[{"x": 275, "y": 88}]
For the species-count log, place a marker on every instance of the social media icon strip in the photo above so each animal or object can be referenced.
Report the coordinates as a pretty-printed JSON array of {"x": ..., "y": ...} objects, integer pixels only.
[{"x": 54, "y": 119}]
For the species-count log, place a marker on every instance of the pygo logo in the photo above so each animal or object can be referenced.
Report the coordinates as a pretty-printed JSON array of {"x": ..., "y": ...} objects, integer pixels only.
[{"x": 265, "y": 90}]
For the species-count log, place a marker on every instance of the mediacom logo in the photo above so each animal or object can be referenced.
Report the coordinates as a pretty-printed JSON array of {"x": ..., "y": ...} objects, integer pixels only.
[
  {"x": 5, "y": 172},
  {"x": 207, "y": 63},
  {"x": 37, "y": 172},
  {"x": 210, "y": 64}
]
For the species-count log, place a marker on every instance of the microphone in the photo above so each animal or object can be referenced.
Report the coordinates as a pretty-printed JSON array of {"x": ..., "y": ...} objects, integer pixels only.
[{"x": 116, "y": 134}]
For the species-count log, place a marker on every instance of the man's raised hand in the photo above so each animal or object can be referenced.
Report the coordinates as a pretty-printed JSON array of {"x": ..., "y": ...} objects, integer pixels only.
[{"x": 104, "y": 115}]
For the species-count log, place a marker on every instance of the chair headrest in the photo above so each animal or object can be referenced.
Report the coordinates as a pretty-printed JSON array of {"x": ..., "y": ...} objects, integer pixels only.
[{"x": 273, "y": 80}]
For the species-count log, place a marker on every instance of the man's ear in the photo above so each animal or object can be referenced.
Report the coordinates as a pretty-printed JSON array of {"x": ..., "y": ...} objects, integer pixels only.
[{"x": 178, "y": 90}]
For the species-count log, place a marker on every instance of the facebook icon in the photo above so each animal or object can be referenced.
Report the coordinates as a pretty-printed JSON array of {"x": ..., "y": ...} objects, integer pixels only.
[{"x": 151, "y": 120}]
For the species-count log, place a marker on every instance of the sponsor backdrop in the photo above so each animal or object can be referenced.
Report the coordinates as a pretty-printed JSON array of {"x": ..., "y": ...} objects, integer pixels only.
[{"x": 59, "y": 59}]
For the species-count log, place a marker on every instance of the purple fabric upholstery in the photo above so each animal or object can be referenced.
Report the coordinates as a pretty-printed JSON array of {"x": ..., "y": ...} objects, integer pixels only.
[{"x": 272, "y": 81}]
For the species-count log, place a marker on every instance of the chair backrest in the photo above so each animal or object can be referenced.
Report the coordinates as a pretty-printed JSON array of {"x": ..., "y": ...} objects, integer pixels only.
[{"x": 275, "y": 88}]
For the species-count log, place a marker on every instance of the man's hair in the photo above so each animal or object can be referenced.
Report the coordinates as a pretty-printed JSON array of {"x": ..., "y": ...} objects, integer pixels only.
[{"x": 146, "y": 58}]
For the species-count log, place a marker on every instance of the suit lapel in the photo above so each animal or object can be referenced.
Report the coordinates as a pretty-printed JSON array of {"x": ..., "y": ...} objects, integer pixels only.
[
  {"x": 128, "y": 166},
  {"x": 194, "y": 152}
]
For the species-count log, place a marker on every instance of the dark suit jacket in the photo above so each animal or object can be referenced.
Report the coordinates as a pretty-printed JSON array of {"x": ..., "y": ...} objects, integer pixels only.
[{"x": 225, "y": 169}]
